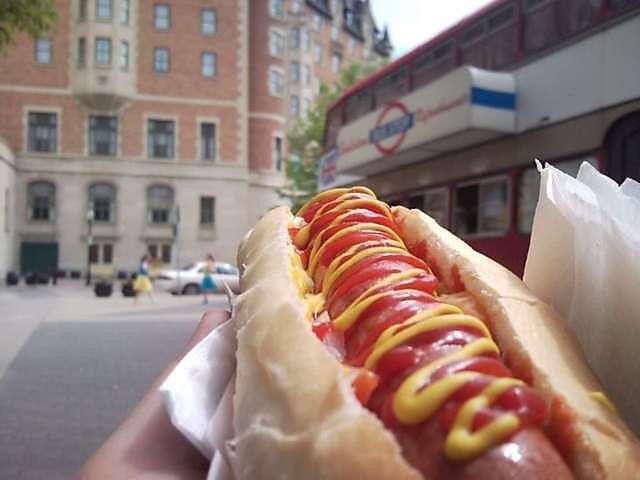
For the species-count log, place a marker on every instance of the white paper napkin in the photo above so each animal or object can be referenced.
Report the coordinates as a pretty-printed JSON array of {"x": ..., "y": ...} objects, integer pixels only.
[
  {"x": 584, "y": 259},
  {"x": 198, "y": 397}
]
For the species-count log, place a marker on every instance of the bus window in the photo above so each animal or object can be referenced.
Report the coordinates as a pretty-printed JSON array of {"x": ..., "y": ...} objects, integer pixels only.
[
  {"x": 618, "y": 5},
  {"x": 541, "y": 24},
  {"x": 393, "y": 201},
  {"x": 392, "y": 86},
  {"x": 482, "y": 207},
  {"x": 490, "y": 43},
  {"x": 358, "y": 105},
  {"x": 580, "y": 14},
  {"x": 433, "y": 202},
  {"x": 433, "y": 63},
  {"x": 334, "y": 122},
  {"x": 571, "y": 167},
  {"x": 528, "y": 188}
]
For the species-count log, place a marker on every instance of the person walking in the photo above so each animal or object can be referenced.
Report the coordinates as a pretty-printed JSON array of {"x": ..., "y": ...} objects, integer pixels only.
[
  {"x": 207, "y": 283},
  {"x": 142, "y": 283}
]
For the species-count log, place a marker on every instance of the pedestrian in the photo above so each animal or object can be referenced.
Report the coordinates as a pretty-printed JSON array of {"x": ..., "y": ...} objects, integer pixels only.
[
  {"x": 142, "y": 283},
  {"x": 207, "y": 283}
]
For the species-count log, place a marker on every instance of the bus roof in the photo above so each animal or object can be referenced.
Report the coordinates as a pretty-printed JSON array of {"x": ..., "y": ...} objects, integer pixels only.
[{"x": 409, "y": 56}]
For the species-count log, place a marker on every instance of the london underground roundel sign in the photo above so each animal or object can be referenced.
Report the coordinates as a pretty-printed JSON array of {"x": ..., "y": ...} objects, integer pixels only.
[{"x": 391, "y": 128}]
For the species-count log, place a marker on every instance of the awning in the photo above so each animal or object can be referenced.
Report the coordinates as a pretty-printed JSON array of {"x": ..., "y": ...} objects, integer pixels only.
[{"x": 465, "y": 107}]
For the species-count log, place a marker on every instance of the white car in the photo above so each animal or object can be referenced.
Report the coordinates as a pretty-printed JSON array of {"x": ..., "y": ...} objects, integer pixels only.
[{"x": 188, "y": 279}]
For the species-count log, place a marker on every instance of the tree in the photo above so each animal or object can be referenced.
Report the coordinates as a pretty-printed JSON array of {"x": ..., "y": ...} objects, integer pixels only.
[
  {"x": 33, "y": 17},
  {"x": 306, "y": 135}
]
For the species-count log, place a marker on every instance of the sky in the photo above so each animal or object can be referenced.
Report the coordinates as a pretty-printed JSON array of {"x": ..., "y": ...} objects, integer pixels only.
[{"x": 412, "y": 22}]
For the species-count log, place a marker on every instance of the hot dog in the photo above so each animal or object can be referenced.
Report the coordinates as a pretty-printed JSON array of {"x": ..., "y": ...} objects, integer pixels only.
[{"x": 375, "y": 344}]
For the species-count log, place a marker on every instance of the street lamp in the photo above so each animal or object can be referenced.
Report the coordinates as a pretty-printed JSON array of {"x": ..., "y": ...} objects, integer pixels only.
[
  {"x": 174, "y": 220},
  {"x": 90, "y": 217}
]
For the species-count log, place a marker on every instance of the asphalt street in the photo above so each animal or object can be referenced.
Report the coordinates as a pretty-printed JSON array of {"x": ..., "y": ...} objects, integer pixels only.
[{"x": 72, "y": 366}]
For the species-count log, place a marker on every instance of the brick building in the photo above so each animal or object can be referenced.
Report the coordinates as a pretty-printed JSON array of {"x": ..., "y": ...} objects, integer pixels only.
[{"x": 134, "y": 109}]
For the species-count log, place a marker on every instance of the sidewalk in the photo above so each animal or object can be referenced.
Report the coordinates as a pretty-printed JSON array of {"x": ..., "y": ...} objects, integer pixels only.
[{"x": 23, "y": 308}]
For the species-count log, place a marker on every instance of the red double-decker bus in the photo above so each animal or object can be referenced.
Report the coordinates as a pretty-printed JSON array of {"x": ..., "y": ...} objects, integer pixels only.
[{"x": 453, "y": 126}]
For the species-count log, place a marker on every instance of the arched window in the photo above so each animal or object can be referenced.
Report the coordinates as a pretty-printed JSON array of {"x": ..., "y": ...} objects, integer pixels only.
[
  {"x": 41, "y": 201},
  {"x": 102, "y": 200},
  {"x": 159, "y": 203}
]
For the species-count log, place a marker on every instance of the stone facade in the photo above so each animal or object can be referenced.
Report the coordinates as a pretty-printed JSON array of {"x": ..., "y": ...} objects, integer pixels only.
[{"x": 119, "y": 75}]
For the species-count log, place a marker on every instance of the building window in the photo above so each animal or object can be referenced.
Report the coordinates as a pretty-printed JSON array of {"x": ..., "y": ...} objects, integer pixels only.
[
  {"x": 93, "y": 253},
  {"x": 294, "y": 71},
  {"x": 103, "y": 51},
  {"x": 336, "y": 62},
  {"x": 103, "y": 9},
  {"x": 278, "y": 153},
  {"x": 208, "y": 21},
  {"x": 41, "y": 199},
  {"x": 82, "y": 52},
  {"x": 294, "y": 38},
  {"x": 317, "y": 52},
  {"x": 276, "y": 83},
  {"x": 102, "y": 201},
  {"x": 335, "y": 32},
  {"x": 481, "y": 207},
  {"x": 296, "y": 6},
  {"x": 103, "y": 135},
  {"x": 276, "y": 8},
  {"x": 125, "y": 8},
  {"x": 43, "y": 132},
  {"x": 306, "y": 40},
  {"x": 306, "y": 106},
  {"x": 107, "y": 253},
  {"x": 317, "y": 22},
  {"x": 44, "y": 50},
  {"x": 276, "y": 44},
  {"x": 207, "y": 211},
  {"x": 165, "y": 253},
  {"x": 161, "y": 59},
  {"x": 124, "y": 55},
  {"x": 159, "y": 203},
  {"x": 161, "y": 16},
  {"x": 161, "y": 138},
  {"x": 207, "y": 141},
  {"x": 164, "y": 249},
  {"x": 82, "y": 10},
  {"x": 306, "y": 74},
  {"x": 209, "y": 64},
  {"x": 294, "y": 105},
  {"x": 7, "y": 209}
]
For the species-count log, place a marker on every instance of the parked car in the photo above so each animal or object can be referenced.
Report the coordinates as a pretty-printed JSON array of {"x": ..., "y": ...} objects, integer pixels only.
[{"x": 188, "y": 279}]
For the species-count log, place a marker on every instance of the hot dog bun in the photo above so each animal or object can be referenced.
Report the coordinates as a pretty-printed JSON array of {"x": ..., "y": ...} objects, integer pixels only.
[{"x": 295, "y": 415}]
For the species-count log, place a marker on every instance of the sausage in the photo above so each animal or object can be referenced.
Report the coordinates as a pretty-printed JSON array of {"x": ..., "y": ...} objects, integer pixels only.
[{"x": 355, "y": 255}]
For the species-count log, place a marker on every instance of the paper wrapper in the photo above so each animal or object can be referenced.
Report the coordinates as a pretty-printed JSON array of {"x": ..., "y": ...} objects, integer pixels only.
[
  {"x": 584, "y": 259},
  {"x": 198, "y": 397}
]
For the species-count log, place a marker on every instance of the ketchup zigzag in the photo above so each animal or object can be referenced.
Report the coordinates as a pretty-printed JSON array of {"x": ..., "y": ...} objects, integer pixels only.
[{"x": 423, "y": 358}]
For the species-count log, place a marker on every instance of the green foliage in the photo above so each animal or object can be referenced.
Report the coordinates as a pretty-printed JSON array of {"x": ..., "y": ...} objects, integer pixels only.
[
  {"x": 34, "y": 17},
  {"x": 306, "y": 135}
]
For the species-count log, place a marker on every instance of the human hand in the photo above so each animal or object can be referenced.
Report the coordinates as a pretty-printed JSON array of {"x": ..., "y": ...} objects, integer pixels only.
[{"x": 146, "y": 444}]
